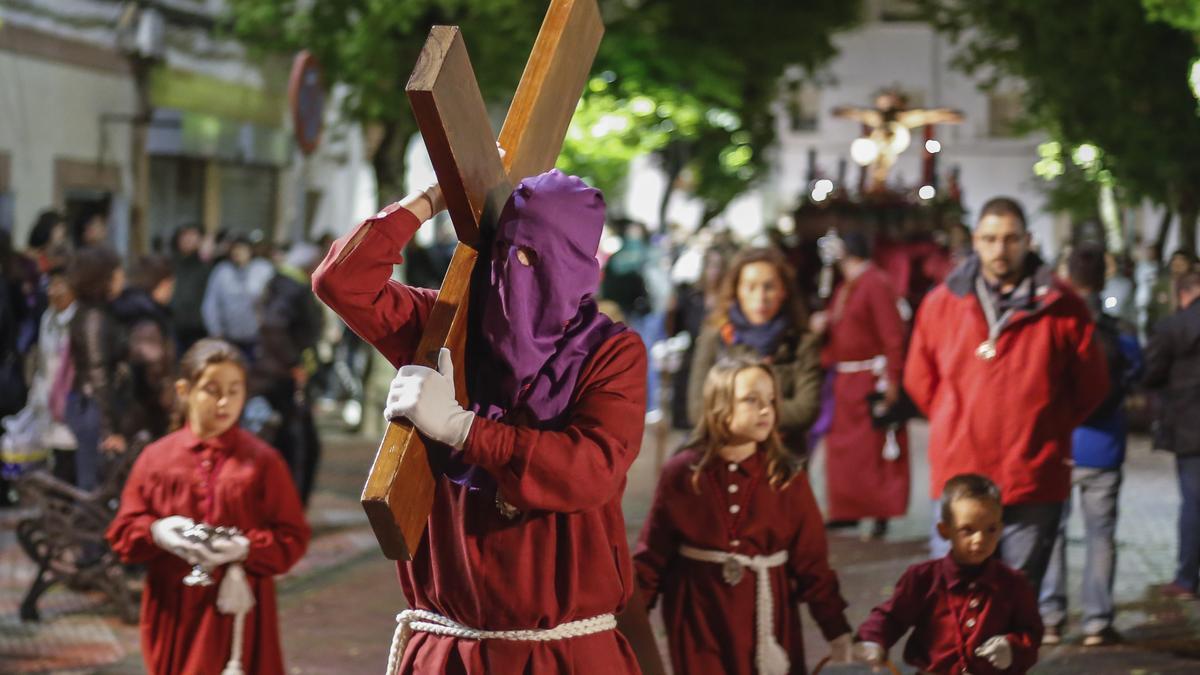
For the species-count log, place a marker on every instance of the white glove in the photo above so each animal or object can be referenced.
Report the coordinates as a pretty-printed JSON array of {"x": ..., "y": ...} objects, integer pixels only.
[
  {"x": 224, "y": 550},
  {"x": 426, "y": 397},
  {"x": 168, "y": 535},
  {"x": 841, "y": 649},
  {"x": 997, "y": 651},
  {"x": 870, "y": 652}
]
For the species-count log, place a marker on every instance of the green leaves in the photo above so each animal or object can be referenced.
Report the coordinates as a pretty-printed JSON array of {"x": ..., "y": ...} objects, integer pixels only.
[
  {"x": 693, "y": 80},
  {"x": 1098, "y": 72}
]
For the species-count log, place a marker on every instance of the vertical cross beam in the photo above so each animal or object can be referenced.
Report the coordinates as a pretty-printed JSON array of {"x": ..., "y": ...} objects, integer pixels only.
[{"x": 450, "y": 112}]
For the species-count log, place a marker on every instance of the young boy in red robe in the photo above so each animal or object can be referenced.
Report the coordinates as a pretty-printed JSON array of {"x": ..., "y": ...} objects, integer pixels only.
[
  {"x": 734, "y": 541},
  {"x": 209, "y": 471},
  {"x": 969, "y": 612},
  {"x": 524, "y": 562}
]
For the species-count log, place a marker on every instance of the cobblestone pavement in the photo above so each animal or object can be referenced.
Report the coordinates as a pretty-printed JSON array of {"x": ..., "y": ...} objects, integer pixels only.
[{"x": 337, "y": 606}]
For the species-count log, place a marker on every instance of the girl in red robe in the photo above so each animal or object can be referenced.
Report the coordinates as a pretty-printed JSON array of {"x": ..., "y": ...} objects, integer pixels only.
[
  {"x": 209, "y": 471},
  {"x": 734, "y": 541}
]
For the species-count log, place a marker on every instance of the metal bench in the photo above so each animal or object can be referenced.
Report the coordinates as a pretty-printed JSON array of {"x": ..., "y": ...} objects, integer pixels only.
[{"x": 65, "y": 536}]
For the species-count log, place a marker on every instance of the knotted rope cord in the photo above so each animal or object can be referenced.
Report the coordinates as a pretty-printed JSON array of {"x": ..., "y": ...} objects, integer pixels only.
[
  {"x": 414, "y": 620},
  {"x": 767, "y": 650}
]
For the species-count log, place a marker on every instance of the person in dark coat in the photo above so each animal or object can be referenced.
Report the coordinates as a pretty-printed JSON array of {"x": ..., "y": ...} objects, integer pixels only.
[
  {"x": 191, "y": 279},
  {"x": 143, "y": 309},
  {"x": 1173, "y": 366},
  {"x": 291, "y": 326},
  {"x": 99, "y": 348}
]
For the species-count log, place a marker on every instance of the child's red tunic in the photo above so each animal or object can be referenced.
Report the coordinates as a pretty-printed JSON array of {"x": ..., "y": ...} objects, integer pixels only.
[
  {"x": 711, "y": 624},
  {"x": 234, "y": 479},
  {"x": 565, "y": 557},
  {"x": 952, "y": 611}
]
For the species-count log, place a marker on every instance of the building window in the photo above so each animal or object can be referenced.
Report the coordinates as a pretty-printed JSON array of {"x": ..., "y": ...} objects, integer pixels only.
[
  {"x": 899, "y": 10},
  {"x": 176, "y": 195},
  {"x": 802, "y": 104},
  {"x": 1005, "y": 110},
  {"x": 248, "y": 199}
]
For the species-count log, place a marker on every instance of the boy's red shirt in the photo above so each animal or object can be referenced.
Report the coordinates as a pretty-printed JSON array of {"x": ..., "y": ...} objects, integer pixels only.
[{"x": 952, "y": 611}]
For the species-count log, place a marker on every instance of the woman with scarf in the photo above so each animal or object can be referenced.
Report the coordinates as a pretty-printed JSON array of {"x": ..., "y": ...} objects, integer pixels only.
[
  {"x": 526, "y": 532},
  {"x": 759, "y": 315}
]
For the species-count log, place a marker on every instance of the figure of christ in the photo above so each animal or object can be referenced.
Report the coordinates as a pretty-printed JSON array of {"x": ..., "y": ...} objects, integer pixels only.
[
  {"x": 524, "y": 562},
  {"x": 891, "y": 117}
]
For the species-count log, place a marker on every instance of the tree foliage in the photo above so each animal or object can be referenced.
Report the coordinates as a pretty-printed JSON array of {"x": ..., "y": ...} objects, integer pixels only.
[
  {"x": 1183, "y": 14},
  {"x": 371, "y": 46},
  {"x": 714, "y": 67},
  {"x": 1099, "y": 73},
  {"x": 693, "y": 81}
]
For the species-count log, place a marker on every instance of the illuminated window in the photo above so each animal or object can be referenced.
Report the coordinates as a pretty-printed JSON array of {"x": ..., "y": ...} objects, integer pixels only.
[{"x": 1005, "y": 110}]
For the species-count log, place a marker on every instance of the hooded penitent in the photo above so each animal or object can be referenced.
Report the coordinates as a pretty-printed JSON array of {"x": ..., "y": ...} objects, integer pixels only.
[{"x": 537, "y": 325}]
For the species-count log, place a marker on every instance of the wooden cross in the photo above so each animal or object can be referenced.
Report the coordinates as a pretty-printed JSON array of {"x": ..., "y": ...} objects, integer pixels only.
[{"x": 476, "y": 182}]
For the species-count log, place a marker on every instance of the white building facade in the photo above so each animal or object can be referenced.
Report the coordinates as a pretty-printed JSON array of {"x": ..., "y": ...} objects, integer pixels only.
[{"x": 219, "y": 151}]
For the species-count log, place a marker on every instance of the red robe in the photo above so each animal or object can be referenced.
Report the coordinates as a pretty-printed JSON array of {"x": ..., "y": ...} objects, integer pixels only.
[
  {"x": 565, "y": 557},
  {"x": 954, "y": 610},
  {"x": 233, "y": 479},
  {"x": 864, "y": 323},
  {"x": 710, "y": 624}
]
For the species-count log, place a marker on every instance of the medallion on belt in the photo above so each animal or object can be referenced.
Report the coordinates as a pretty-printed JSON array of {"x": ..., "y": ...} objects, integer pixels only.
[
  {"x": 986, "y": 350},
  {"x": 732, "y": 572}
]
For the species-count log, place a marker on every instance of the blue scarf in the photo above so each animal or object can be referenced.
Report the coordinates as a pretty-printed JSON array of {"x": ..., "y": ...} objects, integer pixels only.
[{"x": 764, "y": 339}]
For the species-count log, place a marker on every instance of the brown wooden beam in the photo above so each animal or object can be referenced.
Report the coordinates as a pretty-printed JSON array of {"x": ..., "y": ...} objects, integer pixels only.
[{"x": 453, "y": 120}]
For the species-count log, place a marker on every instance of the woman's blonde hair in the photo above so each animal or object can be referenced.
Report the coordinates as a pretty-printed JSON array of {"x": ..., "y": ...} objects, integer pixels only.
[
  {"x": 793, "y": 304},
  {"x": 712, "y": 431}
]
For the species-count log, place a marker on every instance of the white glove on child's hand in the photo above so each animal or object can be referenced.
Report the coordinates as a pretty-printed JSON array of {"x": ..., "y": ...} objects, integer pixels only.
[
  {"x": 841, "y": 649},
  {"x": 168, "y": 535},
  {"x": 872, "y": 653},
  {"x": 426, "y": 397},
  {"x": 997, "y": 651},
  {"x": 224, "y": 550}
]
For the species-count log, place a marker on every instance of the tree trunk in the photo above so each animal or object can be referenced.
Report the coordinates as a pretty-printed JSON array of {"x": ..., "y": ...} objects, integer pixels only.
[
  {"x": 710, "y": 212},
  {"x": 1164, "y": 228},
  {"x": 674, "y": 159},
  {"x": 1189, "y": 208},
  {"x": 388, "y": 160}
]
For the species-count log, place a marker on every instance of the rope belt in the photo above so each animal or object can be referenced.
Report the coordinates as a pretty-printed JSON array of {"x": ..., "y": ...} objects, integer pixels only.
[
  {"x": 878, "y": 367},
  {"x": 419, "y": 620},
  {"x": 769, "y": 657},
  {"x": 875, "y": 365}
]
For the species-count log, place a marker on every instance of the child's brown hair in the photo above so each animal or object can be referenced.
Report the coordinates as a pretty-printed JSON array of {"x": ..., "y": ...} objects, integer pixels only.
[
  {"x": 206, "y": 352},
  {"x": 968, "y": 486},
  {"x": 712, "y": 430}
]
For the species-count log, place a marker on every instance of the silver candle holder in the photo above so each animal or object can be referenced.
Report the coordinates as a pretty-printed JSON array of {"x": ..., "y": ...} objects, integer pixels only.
[{"x": 205, "y": 534}]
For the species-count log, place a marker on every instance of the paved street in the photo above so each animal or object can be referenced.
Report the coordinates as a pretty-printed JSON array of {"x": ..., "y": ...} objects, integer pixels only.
[{"x": 338, "y": 605}]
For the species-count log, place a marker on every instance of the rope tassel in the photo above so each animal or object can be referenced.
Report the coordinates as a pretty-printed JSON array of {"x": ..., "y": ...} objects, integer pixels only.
[{"x": 235, "y": 597}]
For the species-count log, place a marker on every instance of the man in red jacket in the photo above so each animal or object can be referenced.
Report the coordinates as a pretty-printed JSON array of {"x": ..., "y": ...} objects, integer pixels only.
[{"x": 1003, "y": 363}]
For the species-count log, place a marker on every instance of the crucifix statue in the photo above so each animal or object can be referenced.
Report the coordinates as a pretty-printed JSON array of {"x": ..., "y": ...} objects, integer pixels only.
[{"x": 886, "y": 130}]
